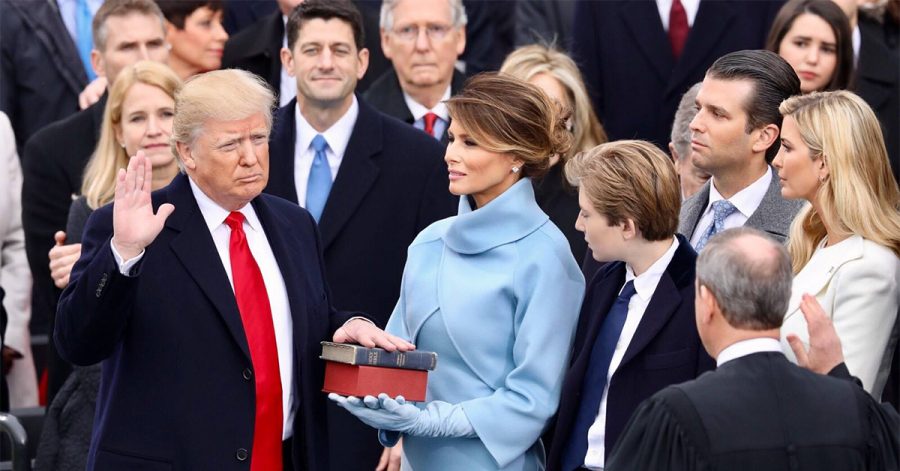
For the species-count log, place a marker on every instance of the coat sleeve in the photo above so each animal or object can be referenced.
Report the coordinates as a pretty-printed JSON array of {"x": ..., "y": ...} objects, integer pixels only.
[
  {"x": 864, "y": 311},
  {"x": 548, "y": 289},
  {"x": 95, "y": 308}
]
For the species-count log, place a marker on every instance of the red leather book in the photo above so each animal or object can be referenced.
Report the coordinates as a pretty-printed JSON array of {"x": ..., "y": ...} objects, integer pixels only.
[{"x": 360, "y": 381}]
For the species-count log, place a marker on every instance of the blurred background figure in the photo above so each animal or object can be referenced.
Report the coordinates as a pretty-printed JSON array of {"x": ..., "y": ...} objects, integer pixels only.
[
  {"x": 690, "y": 177},
  {"x": 845, "y": 244},
  {"x": 557, "y": 75},
  {"x": 138, "y": 117},
  {"x": 15, "y": 277},
  {"x": 195, "y": 35},
  {"x": 814, "y": 37}
]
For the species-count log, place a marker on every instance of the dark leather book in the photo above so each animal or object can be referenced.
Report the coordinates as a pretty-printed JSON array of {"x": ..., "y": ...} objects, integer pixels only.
[{"x": 359, "y": 355}]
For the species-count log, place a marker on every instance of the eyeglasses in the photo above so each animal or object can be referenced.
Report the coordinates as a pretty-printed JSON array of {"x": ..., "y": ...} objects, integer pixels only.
[{"x": 433, "y": 31}]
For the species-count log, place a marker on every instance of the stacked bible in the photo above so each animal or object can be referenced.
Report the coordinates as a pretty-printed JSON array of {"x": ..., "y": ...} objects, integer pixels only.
[{"x": 354, "y": 370}]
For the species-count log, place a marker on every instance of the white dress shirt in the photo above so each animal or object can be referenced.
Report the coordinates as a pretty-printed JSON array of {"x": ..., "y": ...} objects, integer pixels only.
[
  {"x": 644, "y": 285},
  {"x": 665, "y": 6},
  {"x": 215, "y": 215},
  {"x": 419, "y": 111},
  {"x": 748, "y": 347},
  {"x": 67, "y": 10},
  {"x": 287, "y": 89},
  {"x": 337, "y": 137},
  {"x": 746, "y": 201}
]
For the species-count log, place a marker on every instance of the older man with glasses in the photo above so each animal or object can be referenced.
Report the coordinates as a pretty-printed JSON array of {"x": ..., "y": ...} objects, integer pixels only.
[{"x": 423, "y": 39}]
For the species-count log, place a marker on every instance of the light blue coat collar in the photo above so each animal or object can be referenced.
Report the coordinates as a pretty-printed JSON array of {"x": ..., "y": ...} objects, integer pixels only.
[{"x": 509, "y": 217}]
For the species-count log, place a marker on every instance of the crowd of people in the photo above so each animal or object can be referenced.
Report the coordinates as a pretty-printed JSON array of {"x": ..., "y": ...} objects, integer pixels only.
[{"x": 639, "y": 234}]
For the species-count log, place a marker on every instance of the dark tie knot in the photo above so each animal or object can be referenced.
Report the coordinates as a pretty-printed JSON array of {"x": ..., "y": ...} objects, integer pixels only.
[{"x": 235, "y": 221}]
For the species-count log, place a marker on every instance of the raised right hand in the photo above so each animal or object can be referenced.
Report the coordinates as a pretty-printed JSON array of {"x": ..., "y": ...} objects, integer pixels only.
[
  {"x": 134, "y": 224},
  {"x": 62, "y": 259}
]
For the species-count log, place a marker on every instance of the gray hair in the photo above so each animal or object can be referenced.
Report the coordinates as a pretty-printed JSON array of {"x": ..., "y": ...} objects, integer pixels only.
[
  {"x": 458, "y": 16},
  {"x": 752, "y": 286},
  {"x": 681, "y": 126},
  {"x": 226, "y": 95},
  {"x": 121, "y": 8}
]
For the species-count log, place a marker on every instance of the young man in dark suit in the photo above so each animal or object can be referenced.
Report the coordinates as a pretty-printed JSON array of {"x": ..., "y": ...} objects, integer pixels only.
[
  {"x": 125, "y": 32},
  {"x": 757, "y": 410},
  {"x": 636, "y": 334},
  {"x": 371, "y": 182},
  {"x": 207, "y": 301}
]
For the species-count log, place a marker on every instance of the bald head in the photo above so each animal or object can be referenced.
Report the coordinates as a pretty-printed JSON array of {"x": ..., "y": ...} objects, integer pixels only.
[{"x": 749, "y": 274}]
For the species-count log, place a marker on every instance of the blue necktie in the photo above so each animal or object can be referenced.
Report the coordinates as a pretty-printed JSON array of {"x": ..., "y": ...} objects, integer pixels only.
[
  {"x": 721, "y": 210},
  {"x": 595, "y": 379},
  {"x": 84, "y": 35},
  {"x": 319, "y": 183}
]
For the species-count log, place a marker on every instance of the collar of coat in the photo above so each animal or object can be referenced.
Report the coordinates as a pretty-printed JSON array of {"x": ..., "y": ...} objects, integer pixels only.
[{"x": 509, "y": 217}]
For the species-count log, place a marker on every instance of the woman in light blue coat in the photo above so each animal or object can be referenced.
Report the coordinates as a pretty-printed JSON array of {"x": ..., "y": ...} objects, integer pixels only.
[{"x": 494, "y": 291}]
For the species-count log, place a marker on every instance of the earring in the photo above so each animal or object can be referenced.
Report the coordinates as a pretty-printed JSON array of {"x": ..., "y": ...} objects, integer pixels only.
[{"x": 515, "y": 170}]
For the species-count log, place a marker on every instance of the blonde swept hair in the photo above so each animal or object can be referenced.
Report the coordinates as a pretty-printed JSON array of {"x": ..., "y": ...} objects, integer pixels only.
[
  {"x": 99, "y": 182},
  {"x": 630, "y": 179},
  {"x": 860, "y": 195},
  {"x": 510, "y": 116},
  {"x": 224, "y": 95},
  {"x": 528, "y": 61}
]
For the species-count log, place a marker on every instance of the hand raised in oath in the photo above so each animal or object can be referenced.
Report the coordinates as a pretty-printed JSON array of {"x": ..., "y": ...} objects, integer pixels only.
[{"x": 134, "y": 224}]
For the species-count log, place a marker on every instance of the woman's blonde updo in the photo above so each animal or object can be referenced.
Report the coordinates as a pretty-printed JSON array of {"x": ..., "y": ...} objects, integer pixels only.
[{"x": 506, "y": 115}]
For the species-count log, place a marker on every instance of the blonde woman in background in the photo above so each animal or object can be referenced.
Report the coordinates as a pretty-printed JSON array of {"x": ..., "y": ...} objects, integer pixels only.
[
  {"x": 138, "y": 118},
  {"x": 557, "y": 75},
  {"x": 845, "y": 244}
]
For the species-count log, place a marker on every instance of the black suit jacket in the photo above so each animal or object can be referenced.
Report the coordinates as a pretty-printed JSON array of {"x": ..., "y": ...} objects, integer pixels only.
[
  {"x": 626, "y": 58},
  {"x": 759, "y": 412},
  {"x": 176, "y": 389},
  {"x": 52, "y": 169},
  {"x": 257, "y": 49},
  {"x": 386, "y": 96},
  {"x": 878, "y": 81},
  {"x": 41, "y": 74},
  {"x": 665, "y": 349},
  {"x": 392, "y": 183}
]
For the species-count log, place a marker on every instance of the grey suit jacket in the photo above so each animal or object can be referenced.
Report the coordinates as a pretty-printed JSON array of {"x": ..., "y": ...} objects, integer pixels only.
[{"x": 774, "y": 214}]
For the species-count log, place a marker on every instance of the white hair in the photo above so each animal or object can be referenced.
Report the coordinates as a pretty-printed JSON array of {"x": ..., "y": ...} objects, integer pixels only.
[{"x": 458, "y": 16}]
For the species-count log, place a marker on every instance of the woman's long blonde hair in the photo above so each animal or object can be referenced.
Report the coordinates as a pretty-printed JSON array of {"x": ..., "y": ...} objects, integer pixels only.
[
  {"x": 860, "y": 195},
  {"x": 527, "y": 61},
  {"x": 99, "y": 183}
]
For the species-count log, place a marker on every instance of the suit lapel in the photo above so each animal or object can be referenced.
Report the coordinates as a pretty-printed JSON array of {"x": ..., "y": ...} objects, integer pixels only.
[
  {"x": 643, "y": 21},
  {"x": 878, "y": 73},
  {"x": 604, "y": 291},
  {"x": 817, "y": 274},
  {"x": 196, "y": 250},
  {"x": 273, "y": 49},
  {"x": 712, "y": 22},
  {"x": 356, "y": 175},
  {"x": 281, "y": 154},
  {"x": 44, "y": 17},
  {"x": 769, "y": 215},
  {"x": 692, "y": 210}
]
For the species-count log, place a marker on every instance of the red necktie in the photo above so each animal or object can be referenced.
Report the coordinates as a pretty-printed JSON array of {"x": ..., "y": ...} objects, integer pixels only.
[
  {"x": 678, "y": 28},
  {"x": 430, "y": 118},
  {"x": 256, "y": 315}
]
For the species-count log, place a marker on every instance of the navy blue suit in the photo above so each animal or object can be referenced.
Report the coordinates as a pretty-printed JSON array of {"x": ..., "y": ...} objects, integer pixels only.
[
  {"x": 174, "y": 393},
  {"x": 665, "y": 349},
  {"x": 625, "y": 55},
  {"x": 392, "y": 183}
]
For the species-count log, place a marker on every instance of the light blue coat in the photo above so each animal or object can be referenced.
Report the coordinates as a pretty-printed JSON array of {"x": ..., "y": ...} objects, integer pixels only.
[{"x": 497, "y": 293}]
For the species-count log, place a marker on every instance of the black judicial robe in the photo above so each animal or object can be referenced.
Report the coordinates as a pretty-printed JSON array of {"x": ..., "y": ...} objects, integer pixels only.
[{"x": 760, "y": 412}]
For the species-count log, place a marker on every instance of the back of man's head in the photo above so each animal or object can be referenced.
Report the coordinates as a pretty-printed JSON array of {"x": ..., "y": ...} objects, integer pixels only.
[
  {"x": 774, "y": 81},
  {"x": 326, "y": 10},
  {"x": 111, "y": 8},
  {"x": 750, "y": 276},
  {"x": 681, "y": 125}
]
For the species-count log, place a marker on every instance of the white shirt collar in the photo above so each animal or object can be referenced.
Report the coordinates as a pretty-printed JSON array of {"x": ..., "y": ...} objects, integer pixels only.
[
  {"x": 418, "y": 110},
  {"x": 214, "y": 215},
  {"x": 665, "y": 7},
  {"x": 747, "y": 200},
  {"x": 748, "y": 347},
  {"x": 337, "y": 136},
  {"x": 645, "y": 283}
]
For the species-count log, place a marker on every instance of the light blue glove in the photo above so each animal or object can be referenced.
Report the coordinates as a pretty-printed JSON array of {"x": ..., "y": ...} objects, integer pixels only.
[{"x": 438, "y": 419}]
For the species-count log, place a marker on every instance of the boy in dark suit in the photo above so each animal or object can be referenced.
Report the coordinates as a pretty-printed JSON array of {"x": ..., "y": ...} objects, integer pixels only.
[{"x": 636, "y": 334}]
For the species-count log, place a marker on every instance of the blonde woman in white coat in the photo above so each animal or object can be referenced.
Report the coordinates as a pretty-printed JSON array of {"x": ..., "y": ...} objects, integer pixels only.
[
  {"x": 15, "y": 277},
  {"x": 845, "y": 244}
]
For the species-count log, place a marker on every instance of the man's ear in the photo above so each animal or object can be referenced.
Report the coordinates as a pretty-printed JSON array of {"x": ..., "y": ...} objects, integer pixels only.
[
  {"x": 186, "y": 156},
  {"x": 386, "y": 48},
  {"x": 363, "y": 57},
  {"x": 97, "y": 63},
  {"x": 766, "y": 136},
  {"x": 287, "y": 60},
  {"x": 709, "y": 304}
]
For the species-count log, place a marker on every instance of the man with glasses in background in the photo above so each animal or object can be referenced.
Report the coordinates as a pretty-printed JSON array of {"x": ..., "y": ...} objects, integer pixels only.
[{"x": 423, "y": 39}]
